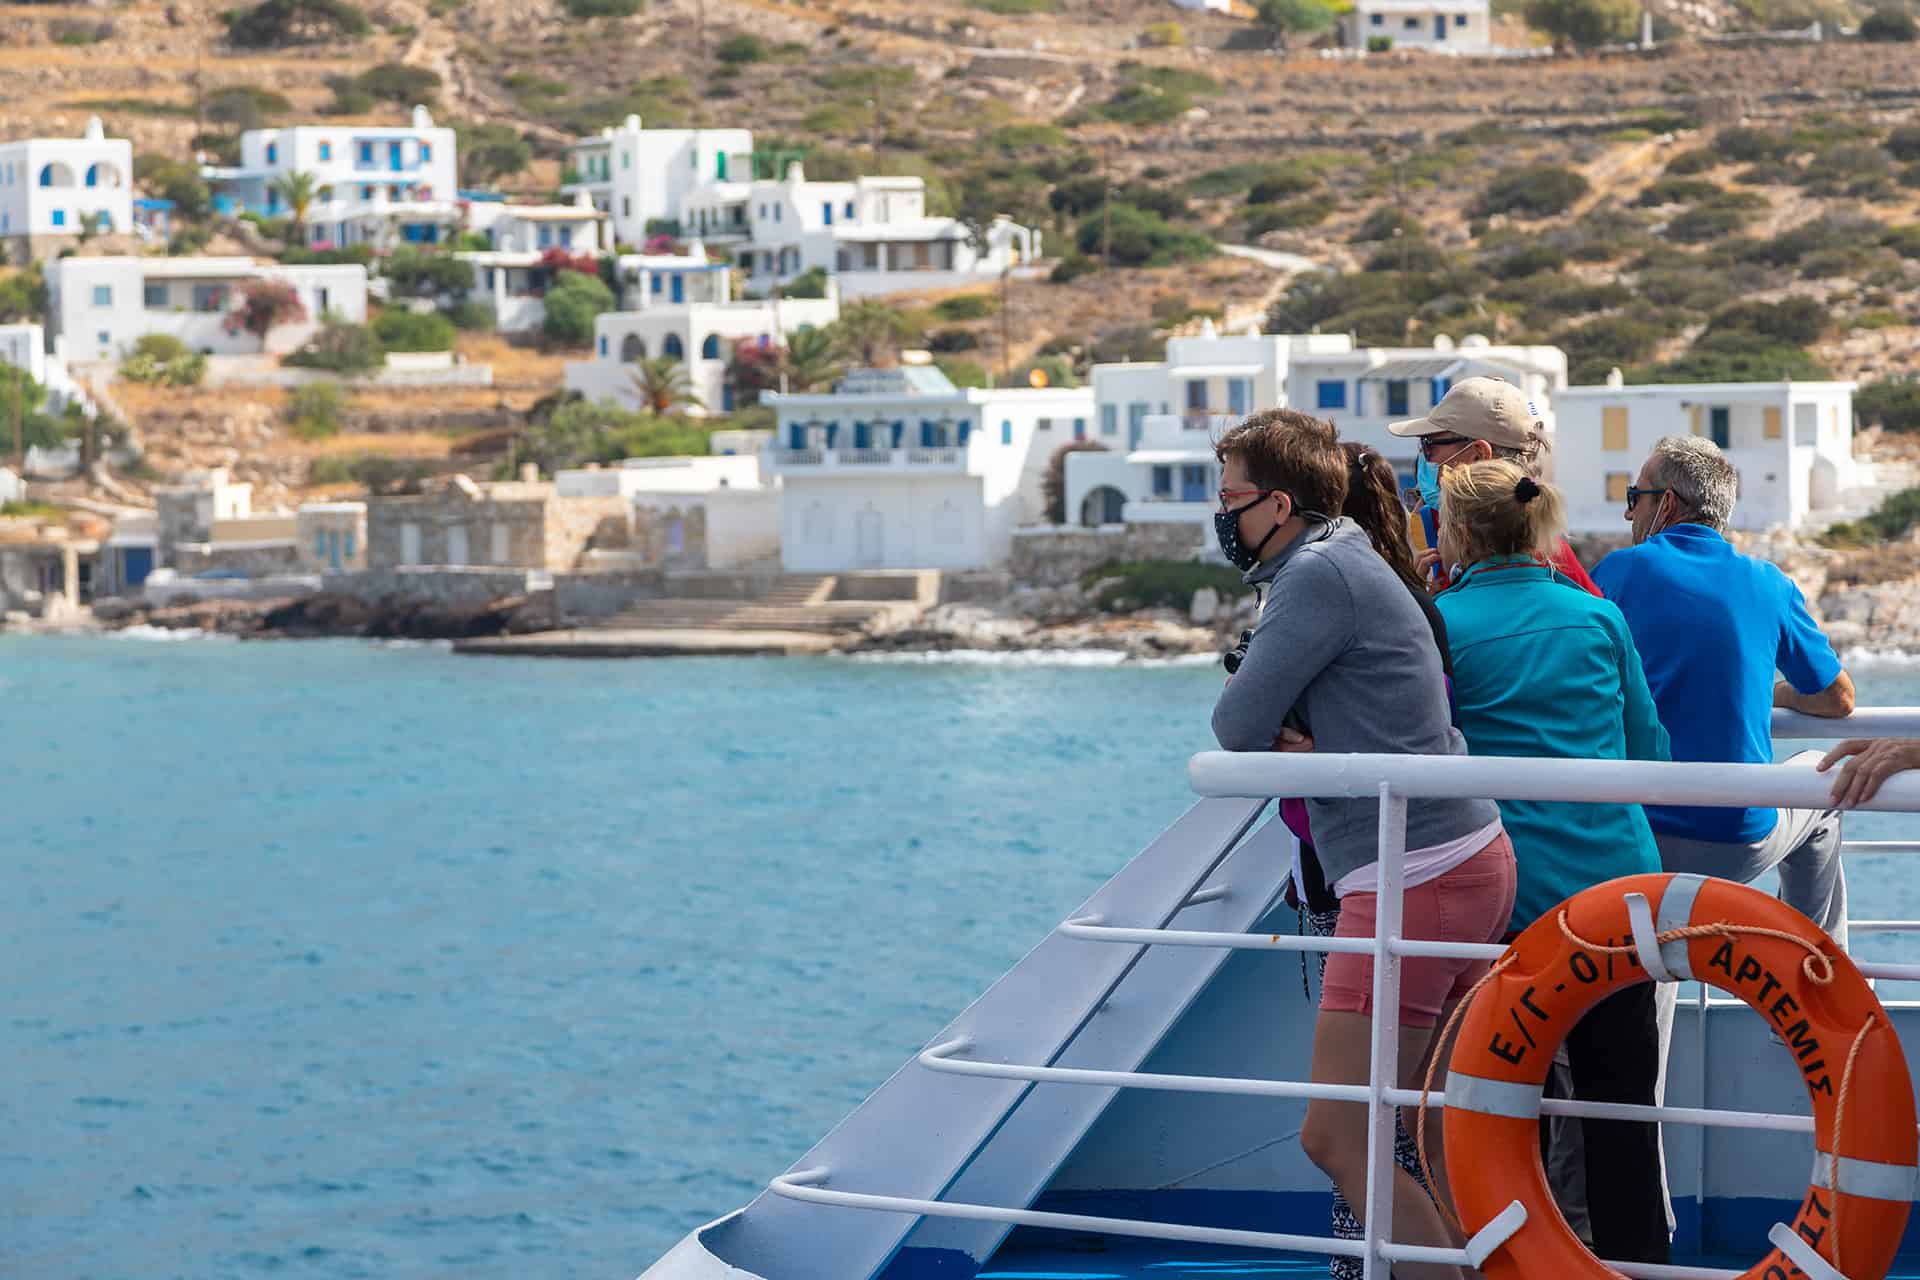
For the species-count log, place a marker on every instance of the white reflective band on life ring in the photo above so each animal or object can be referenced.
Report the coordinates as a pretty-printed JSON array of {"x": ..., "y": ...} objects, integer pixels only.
[
  {"x": 1495, "y": 1097},
  {"x": 1866, "y": 1178},
  {"x": 1676, "y": 912}
]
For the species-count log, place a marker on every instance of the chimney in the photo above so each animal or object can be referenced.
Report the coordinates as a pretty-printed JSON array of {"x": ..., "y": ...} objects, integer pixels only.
[{"x": 530, "y": 473}]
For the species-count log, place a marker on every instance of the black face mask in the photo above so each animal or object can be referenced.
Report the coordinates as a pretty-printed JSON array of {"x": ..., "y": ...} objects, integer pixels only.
[{"x": 1226, "y": 527}]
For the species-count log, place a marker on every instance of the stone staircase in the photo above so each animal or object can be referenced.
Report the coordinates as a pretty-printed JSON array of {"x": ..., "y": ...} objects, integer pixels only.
[{"x": 796, "y": 602}]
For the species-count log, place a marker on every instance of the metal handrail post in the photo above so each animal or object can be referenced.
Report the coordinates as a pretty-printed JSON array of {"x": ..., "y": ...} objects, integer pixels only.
[{"x": 1384, "y": 1071}]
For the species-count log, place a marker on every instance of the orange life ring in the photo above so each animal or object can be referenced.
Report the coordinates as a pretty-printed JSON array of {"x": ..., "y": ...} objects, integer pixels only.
[{"x": 1768, "y": 955}]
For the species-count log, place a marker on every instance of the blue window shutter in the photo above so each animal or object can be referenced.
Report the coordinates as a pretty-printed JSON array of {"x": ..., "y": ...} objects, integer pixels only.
[
  {"x": 965, "y": 427},
  {"x": 833, "y": 430},
  {"x": 603, "y": 344},
  {"x": 926, "y": 434},
  {"x": 1006, "y": 431},
  {"x": 826, "y": 211},
  {"x": 1079, "y": 428},
  {"x": 796, "y": 436},
  {"x": 1109, "y": 419}
]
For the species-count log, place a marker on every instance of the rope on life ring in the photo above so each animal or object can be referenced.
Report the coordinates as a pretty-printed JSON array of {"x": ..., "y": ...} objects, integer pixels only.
[{"x": 1524, "y": 1005}]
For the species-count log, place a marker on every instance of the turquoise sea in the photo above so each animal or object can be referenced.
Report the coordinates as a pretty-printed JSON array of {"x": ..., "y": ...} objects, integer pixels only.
[{"x": 335, "y": 960}]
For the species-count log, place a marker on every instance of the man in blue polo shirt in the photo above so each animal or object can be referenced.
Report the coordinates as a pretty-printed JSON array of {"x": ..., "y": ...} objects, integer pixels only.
[{"x": 1713, "y": 627}]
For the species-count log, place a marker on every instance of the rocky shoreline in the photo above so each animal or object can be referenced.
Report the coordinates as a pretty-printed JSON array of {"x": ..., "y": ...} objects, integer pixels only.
[{"x": 1868, "y": 600}]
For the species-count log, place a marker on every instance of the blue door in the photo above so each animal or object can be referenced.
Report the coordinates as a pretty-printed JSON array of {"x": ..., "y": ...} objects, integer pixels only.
[
  {"x": 1440, "y": 26},
  {"x": 393, "y": 156},
  {"x": 1238, "y": 395},
  {"x": 1193, "y": 483},
  {"x": 679, "y": 288},
  {"x": 135, "y": 564}
]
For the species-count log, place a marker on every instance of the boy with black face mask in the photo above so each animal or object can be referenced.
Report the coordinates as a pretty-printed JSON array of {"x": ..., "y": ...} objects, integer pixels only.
[{"x": 1343, "y": 651}]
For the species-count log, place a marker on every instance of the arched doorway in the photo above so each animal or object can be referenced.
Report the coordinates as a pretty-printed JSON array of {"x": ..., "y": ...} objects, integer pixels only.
[{"x": 1103, "y": 504}]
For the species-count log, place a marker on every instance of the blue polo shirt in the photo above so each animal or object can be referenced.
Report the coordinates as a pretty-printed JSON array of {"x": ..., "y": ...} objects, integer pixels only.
[{"x": 1712, "y": 626}]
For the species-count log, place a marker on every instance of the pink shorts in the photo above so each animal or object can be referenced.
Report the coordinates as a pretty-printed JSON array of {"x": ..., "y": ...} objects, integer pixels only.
[{"x": 1470, "y": 903}]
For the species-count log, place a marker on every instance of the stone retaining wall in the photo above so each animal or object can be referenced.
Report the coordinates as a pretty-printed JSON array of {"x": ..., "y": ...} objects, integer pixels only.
[{"x": 1059, "y": 557}]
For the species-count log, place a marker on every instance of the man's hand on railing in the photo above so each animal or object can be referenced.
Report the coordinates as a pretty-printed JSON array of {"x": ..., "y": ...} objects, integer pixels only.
[
  {"x": 1833, "y": 702},
  {"x": 1869, "y": 762},
  {"x": 1292, "y": 740}
]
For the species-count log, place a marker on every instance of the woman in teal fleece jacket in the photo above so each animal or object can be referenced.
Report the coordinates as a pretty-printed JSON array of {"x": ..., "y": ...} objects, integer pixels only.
[{"x": 1541, "y": 668}]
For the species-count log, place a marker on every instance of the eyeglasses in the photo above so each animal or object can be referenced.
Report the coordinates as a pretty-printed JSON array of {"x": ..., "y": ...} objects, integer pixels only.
[
  {"x": 1429, "y": 443},
  {"x": 1228, "y": 495},
  {"x": 1635, "y": 493}
]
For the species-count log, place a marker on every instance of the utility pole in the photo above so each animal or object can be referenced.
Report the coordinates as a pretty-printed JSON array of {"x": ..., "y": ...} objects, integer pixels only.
[{"x": 1006, "y": 323}]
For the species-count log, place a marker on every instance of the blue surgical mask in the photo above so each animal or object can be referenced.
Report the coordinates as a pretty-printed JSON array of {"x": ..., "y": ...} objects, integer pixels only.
[{"x": 1427, "y": 477}]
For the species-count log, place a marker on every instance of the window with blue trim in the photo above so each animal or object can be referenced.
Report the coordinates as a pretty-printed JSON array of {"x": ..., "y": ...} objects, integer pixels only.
[
  {"x": 326, "y": 153},
  {"x": 320, "y": 545},
  {"x": 710, "y": 349},
  {"x": 1331, "y": 393},
  {"x": 1079, "y": 428},
  {"x": 1397, "y": 396},
  {"x": 1109, "y": 419},
  {"x": 850, "y": 208},
  {"x": 366, "y": 153},
  {"x": 862, "y": 435},
  {"x": 1720, "y": 425},
  {"x": 796, "y": 436},
  {"x": 1006, "y": 431},
  {"x": 426, "y": 152},
  {"x": 273, "y": 154},
  {"x": 1459, "y": 19},
  {"x": 59, "y": 217},
  {"x": 826, "y": 211},
  {"x": 672, "y": 348},
  {"x": 1163, "y": 482},
  {"x": 603, "y": 344},
  {"x": 349, "y": 547},
  {"x": 1377, "y": 20},
  {"x": 965, "y": 427},
  {"x": 103, "y": 295}
]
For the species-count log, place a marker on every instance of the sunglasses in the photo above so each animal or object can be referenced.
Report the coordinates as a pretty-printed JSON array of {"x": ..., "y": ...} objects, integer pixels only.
[
  {"x": 1635, "y": 493},
  {"x": 1430, "y": 443}
]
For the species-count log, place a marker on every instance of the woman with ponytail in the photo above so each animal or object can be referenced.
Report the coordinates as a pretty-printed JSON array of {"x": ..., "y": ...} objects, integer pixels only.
[{"x": 1542, "y": 668}]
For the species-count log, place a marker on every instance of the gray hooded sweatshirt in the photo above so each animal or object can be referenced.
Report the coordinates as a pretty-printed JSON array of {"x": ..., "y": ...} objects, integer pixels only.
[{"x": 1343, "y": 643}]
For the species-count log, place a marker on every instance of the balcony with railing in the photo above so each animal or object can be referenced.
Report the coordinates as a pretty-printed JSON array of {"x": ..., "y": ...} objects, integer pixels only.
[{"x": 815, "y": 459}]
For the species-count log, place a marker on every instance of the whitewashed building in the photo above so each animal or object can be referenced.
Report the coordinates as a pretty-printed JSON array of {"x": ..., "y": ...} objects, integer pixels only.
[
  {"x": 515, "y": 282},
  {"x": 51, "y": 187},
  {"x": 1438, "y": 26},
  {"x": 701, "y": 336},
  {"x": 378, "y": 184},
  {"x": 1159, "y": 420},
  {"x": 577, "y": 228},
  {"x": 702, "y": 512},
  {"x": 899, "y": 469},
  {"x": 639, "y": 176},
  {"x": 873, "y": 235},
  {"x": 100, "y": 307},
  {"x": 24, "y": 346},
  {"x": 1791, "y": 442}
]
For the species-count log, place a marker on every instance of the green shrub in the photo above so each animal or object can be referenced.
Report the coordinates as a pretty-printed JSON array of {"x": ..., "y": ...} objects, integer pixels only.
[
  {"x": 1262, "y": 219},
  {"x": 1903, "y": 240},
  {"x": 811, "y": 283},
  {"x": 1583, "y": 23},
  {"x": 473, "y": 316},
  {"x": 1409, "y": 253},
  {"x": 1608, "y": 342},
  {"x": 1687, "y": 163},
  {"x": 1744, "y": 144},
  {"x": 1144, "y": 104},
  {"x": 1280, "y": 184},
  {"x": 1686, "y": 288},
  {"x": 740, "y": 48},
  {"x": 1158, "y": 584},
  {"x": 275, "y": 23},
  {"x": 353, "y": 255},
  {"x": 490, "y": 152},
  {"x": 1832, "y": 231},
  {"x": 161, "y": 347},
  {"x": 965, "y": 306},
  {"x": 1071, "y": 268},
  {"x": 1140, "y": 238},
  {"x": 603, "y": 8},
  {"x": 945, "y": 342},
  {"x": 1904, "y": 142},
  {"x": 963, "y": 373},
  {"x": 399, "y": 329},
  {"x": 1793, "y": 322},
  {"x": 572, "y": 302},
  {"x": 1678, "y": 191},
  {"x": 426, "y": 273},
  {"x": 1528, "y": 259},
  {"x": 1889, "y": 25},
  {"x": 340, "y": 347},
  {"x": 1386, "y": 222},
  {"x": 1536, "y": 191},
  {"x": 1164, "y": 35},
  {"x": 1379, "y": 44},
  {"x": 246, "y": 106},
  {"x": 313, "y": 410},
  {"x": 1708, "y": 222},
  {"x": 1893, "y": 403},
  {"x": 1737, "y": 356},
  {"x": 1850, "y": 168}
]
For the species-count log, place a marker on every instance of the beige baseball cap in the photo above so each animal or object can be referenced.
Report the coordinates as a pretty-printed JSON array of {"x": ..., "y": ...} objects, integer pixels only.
[{"x": 1490, "y": 409}]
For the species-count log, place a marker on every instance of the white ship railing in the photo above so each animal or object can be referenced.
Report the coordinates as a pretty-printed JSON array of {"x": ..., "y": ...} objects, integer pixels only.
[{"x": 1394, "y": 780}]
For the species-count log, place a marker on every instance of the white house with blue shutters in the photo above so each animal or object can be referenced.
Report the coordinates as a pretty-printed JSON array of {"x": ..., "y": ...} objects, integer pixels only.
[
  {"x": 1437, "y": 26},
  {"x": 378, "y": 184},
  {"x": 900, "y": 469},
  {"x": 1159, "y": 420},
  {"x": 640, "y": 176},
  {"x": 51, "y": 187},
  {"x": 101, "y": 307},
  {"x": 701, "y": 336}
]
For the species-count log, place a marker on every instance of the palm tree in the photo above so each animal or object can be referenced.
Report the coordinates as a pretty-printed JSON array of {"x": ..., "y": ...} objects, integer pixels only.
[
  {"x": 298, "y": 189},
  {"x": 866, "y": 328},
  {"x": 810, "y": 359},
  {"x": 663, "y": 385}
]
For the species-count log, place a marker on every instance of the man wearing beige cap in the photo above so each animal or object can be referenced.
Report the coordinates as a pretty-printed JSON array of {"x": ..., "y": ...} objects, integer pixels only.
[{"x": 1479, "y": 419}]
